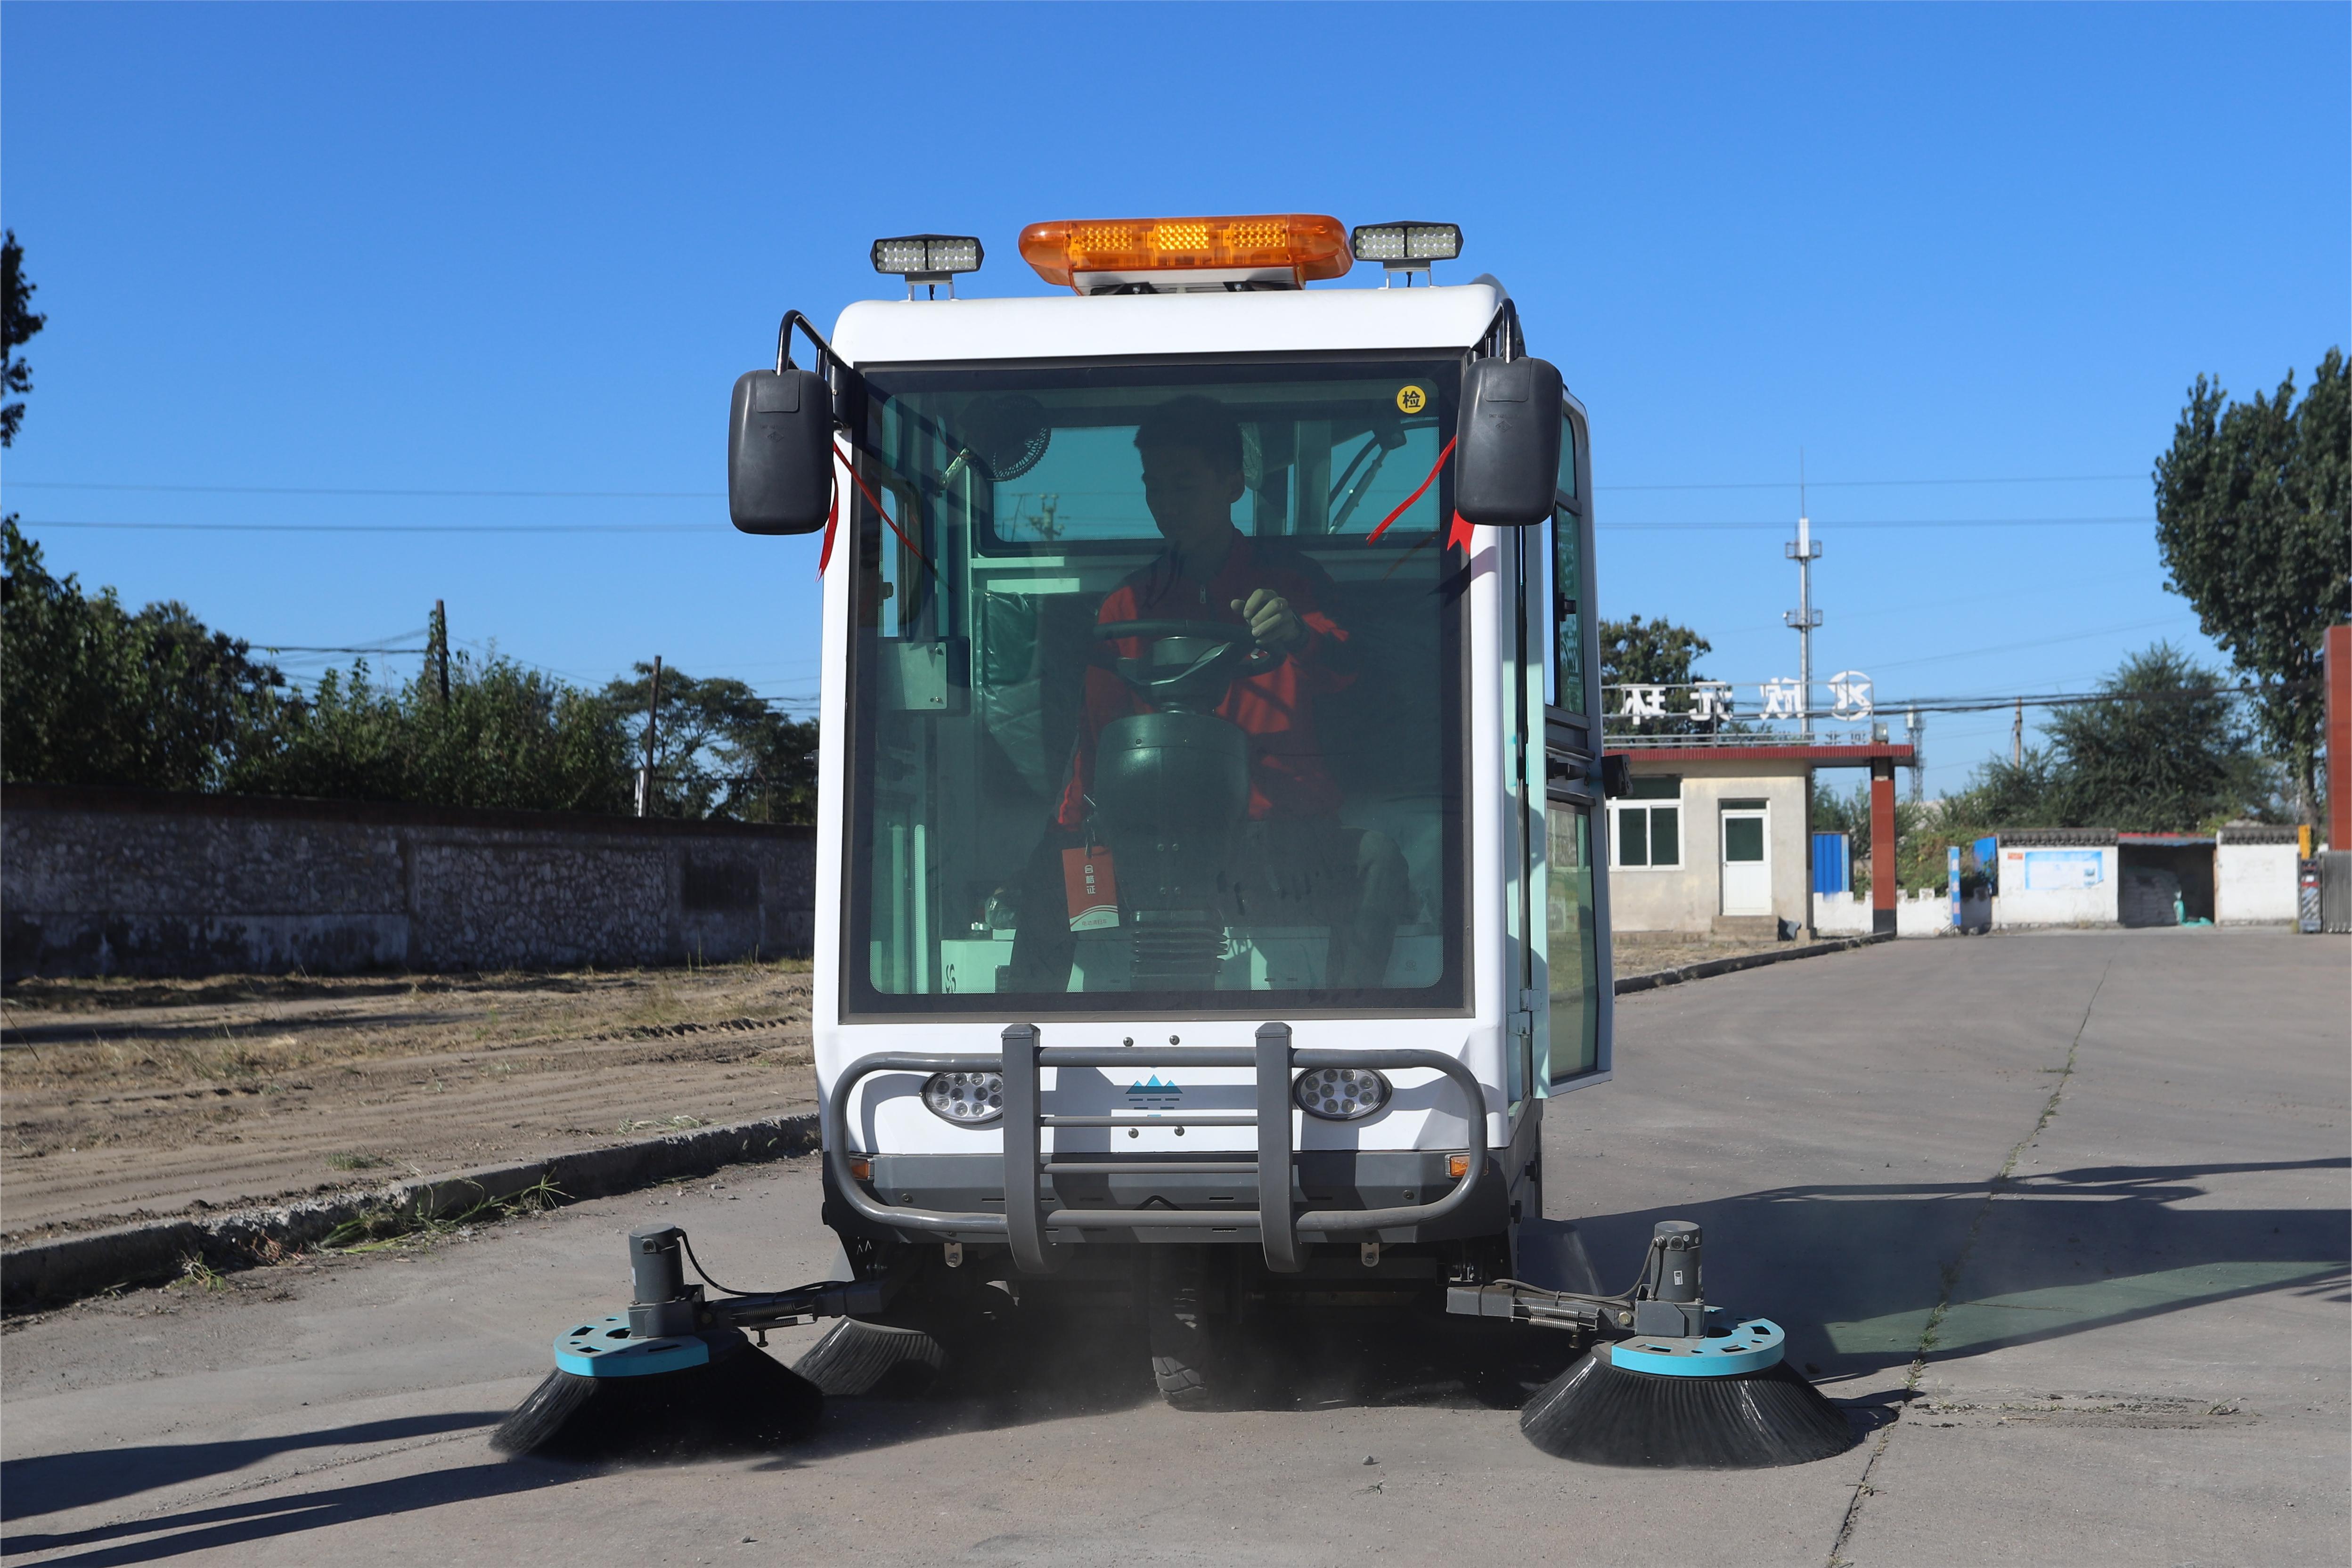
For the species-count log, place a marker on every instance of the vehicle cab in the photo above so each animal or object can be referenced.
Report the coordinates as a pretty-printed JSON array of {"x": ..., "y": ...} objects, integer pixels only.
[{"x": 1209, "y": 811}]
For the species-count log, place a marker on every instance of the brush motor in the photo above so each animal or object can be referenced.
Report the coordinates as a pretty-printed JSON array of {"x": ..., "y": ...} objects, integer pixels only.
[
  {"x": 1670, "y": 1302},
  {"x": 661, "y": 1305}
]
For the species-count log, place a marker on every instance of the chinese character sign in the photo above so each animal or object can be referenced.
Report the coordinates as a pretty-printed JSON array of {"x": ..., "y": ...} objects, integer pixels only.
[
  {"x": 1849, "y": 691},
  {"x": 1710, "y": 700},
  {"x": 1643, "y": 702},
  {"x": 1780, "y": 698}
]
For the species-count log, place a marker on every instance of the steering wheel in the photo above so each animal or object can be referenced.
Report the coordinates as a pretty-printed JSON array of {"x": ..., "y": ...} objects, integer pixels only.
[{"x": 1200, "y": 683}]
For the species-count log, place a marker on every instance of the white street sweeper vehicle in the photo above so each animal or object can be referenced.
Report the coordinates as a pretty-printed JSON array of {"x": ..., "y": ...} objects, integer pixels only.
[{"x": 1207, "y": 888}]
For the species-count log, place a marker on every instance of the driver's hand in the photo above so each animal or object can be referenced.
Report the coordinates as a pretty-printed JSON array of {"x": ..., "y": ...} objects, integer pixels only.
[{"x": 1272, "y": 621}]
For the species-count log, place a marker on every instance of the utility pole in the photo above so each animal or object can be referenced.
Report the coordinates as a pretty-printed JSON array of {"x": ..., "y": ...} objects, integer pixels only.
[
  {"x": 1804, "y": 551},
  {"x": 653, "y": 714},
  {"x": 1915, "y": 729},
  {"x": 437, "y": 648},
  {"x": 2017, "y": 736}
]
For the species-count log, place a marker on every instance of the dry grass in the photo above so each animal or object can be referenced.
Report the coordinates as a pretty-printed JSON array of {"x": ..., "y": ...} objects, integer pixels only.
[{"x": 252, "y": 1033}]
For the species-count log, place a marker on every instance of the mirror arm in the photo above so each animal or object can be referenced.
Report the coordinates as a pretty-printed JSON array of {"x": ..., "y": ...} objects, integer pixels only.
[{"x": 826, "y": 356}]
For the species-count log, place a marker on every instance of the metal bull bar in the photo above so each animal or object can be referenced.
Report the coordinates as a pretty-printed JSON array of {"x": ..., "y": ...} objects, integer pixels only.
[{"x": 1024, "y": 1222}]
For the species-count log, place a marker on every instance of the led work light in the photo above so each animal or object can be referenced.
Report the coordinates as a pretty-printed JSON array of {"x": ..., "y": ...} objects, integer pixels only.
[
  {"x": 928, "y": 258},
  {"x": 1340, "y": 1094},
  {"x": 1406, "y": 248},
  {"x": 969, "y": 1097}
]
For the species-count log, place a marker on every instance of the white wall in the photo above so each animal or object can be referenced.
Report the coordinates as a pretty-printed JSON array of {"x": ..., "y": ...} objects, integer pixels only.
[
  {"x": 1688, "y": 898},
  {"x": 1841, "y": 914},
  {"x": 2075, "y": 885},
  {"x": 1924, "y": 913},
  {"x": 2253, "y": 883}
]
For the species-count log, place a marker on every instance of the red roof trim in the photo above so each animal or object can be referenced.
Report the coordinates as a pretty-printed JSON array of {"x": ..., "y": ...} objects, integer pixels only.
[{"x": 1831, "y": 756}]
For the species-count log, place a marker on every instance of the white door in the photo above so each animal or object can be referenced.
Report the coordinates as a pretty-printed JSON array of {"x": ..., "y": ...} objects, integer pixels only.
[{"x": 1746, "y": 860}]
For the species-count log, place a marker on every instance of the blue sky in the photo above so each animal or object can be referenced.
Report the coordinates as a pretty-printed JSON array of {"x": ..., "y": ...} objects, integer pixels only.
[{"x": 528, "y": 249}]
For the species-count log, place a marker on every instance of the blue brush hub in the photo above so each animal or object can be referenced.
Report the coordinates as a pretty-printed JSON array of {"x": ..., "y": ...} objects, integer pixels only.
[
  {"x": 605, "y": 1348},
  {"x": 1750, "y": 1346}
]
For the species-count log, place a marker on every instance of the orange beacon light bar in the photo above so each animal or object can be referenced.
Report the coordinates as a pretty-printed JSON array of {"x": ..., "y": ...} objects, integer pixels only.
[{"x": 1302, "y": 245}]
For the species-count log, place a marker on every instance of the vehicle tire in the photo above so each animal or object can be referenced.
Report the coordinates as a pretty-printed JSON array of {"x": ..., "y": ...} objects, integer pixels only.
[{"x": 1190, "y": 1329}]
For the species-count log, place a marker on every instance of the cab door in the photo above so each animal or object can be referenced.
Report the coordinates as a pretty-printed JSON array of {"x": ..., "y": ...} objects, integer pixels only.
[{"x": 1576, "y": 1040}]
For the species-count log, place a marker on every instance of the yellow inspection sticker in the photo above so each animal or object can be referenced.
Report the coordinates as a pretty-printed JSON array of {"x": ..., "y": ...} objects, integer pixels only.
[{"x": 1411, "y": 400}]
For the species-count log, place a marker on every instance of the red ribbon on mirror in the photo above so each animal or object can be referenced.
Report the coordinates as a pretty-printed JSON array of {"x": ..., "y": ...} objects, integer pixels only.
[
  {"x": 1457, "y": 533},
  {"x": 833, "y": 517}
]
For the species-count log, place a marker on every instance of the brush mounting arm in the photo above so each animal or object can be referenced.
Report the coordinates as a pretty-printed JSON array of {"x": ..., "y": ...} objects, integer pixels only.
[
  {"x": 775, "y": 1309},
  {"x": 662, "y": 1304}
]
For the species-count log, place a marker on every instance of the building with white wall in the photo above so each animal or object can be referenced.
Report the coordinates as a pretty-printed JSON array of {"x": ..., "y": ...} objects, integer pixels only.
[
  {"x": 2254, "y": 875},
  {"x": 1715, "y": 836},
  {"x": 2055, "y": 877},
  {"x": 2244, "y": 875}
]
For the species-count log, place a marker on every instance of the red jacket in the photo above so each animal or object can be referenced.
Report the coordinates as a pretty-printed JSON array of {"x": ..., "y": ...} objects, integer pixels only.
[{"x": 1274, "y": 709}]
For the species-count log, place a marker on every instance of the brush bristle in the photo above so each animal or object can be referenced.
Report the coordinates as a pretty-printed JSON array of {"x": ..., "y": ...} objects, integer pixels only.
[
  {"x": 1603, "y": 1413},
  {"x": 738, "y": 1401},
  {"x": 856, "y": 1357}
]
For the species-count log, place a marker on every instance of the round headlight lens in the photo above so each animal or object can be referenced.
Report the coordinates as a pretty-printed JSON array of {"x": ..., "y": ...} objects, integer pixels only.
[
  {"x": 1340, "y": 1094},
  {"x": 967, "y": 1098}
]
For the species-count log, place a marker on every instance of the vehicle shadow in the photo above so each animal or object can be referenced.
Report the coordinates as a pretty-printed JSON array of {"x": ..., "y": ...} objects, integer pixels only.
[
  {"x": 1853, "y": 1272},
  {"x": 244, "y": 1523},
  {"x": 51, "y": 1483}
]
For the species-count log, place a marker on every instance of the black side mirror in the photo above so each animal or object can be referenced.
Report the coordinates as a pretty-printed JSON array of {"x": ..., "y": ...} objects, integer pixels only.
[
  {"x": 1506, "y": 460},
  {"x": 780, "y": 452},
  {"x": 1616, "y": 778}
]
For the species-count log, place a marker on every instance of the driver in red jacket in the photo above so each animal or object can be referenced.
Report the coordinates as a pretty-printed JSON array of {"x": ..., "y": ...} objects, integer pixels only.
[{"x": 1296, "y": 859}]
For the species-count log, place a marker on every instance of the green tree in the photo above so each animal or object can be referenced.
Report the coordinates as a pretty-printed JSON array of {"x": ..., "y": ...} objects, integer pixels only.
[
  {"x": 2167, "y": 753},
  {"x": 719, "y": 749},
  {"x": 2255, "y": 520},
  {"x": 1634, "y": 652},
  {"x": 19, "y": 323},
  {"x": 774, "y": 777},
  {"x": 504, "y": 737},
  {"x": 2001, "y": 793},
  {"x": 93, "y": 694}
]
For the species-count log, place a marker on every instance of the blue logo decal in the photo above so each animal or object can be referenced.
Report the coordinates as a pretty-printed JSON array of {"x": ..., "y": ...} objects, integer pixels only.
[{"x": 1154, "y": 1094}]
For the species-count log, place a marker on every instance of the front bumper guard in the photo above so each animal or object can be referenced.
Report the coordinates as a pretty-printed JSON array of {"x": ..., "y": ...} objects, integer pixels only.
[{"x": 1023, "y": 1223}]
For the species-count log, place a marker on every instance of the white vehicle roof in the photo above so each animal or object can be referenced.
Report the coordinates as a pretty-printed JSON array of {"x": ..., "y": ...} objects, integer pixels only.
[{"x": 1071, "y": 326}]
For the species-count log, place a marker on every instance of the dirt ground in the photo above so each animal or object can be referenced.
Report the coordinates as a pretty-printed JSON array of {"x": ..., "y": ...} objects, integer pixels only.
[
  {"x": 129, "y": 1099},
  {"x": 126, "y": 1098}
]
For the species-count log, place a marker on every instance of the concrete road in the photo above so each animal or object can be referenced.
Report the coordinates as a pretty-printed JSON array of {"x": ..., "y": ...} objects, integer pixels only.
[{"x": 2061, "y": 1219}]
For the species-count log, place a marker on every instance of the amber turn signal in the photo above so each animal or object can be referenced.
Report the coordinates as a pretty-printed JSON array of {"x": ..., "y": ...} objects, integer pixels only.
[
  {"x": 1457, "y": 1166},
  {"x": 861, "y": 1167}
]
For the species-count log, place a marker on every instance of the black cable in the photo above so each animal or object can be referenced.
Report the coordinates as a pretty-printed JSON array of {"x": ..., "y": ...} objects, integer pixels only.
[{"x": 705, "y": 1273}]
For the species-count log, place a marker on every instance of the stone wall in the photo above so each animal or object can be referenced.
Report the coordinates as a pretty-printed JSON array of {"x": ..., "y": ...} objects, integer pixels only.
[{"x": 120, "y": 881}]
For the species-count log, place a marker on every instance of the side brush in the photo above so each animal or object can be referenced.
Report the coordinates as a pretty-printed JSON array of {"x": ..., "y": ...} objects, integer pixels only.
[
  {"x": 1673, "y": 1383},
  {"x": 675, "y": 1377}
]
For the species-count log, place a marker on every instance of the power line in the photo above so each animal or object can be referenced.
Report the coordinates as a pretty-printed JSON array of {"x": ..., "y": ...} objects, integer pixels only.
[
  {"x": 297, "y": 647},
  {"x": 396, "y": 527},
  {"x": 1884, "y": 523},
  {"x": 359, "y": 491},
  {"x": 1875, "y": 524},
  {"x": 1863, "y": 484},
  {"x": 713, "y": 495},
  {"x": 2034, "y": 642}
]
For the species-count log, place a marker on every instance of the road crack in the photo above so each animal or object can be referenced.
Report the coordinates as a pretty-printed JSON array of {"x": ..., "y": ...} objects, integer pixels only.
[{"x": 1866, "y": 1488}]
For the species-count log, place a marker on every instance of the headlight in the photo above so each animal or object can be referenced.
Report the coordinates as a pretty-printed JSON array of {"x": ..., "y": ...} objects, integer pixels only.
[
  {"x": 967, "y": 1098},
  {"x": 1340, "y": 1094}
]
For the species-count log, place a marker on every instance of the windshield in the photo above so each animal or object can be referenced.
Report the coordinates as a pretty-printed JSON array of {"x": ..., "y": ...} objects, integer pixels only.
[{"x": 1142, "y": 720}]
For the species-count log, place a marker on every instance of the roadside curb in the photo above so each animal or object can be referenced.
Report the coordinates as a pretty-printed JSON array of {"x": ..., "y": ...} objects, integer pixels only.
[
  {"x": 1713, "y": 966},
  {"x": 154, "y": 1252}
]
